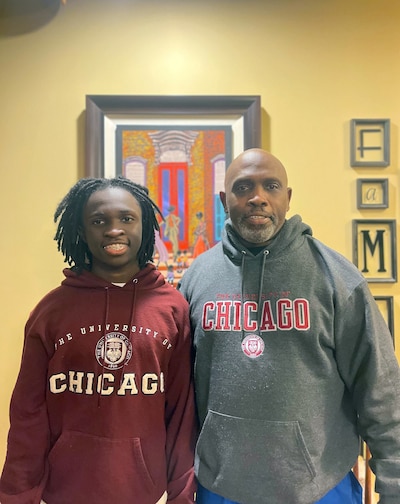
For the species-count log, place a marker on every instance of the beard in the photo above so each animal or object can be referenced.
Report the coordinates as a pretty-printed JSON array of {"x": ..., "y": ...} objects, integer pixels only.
[{"x": 256, "y": 234}]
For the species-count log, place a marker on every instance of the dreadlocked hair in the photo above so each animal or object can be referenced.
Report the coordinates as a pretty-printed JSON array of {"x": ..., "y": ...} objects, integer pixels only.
[{"x": 69, "y": 213}]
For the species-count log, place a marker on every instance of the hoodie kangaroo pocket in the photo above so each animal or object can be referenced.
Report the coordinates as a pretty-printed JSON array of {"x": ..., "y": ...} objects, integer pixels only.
[
  {"x": 83, "y": 465},
  {"x": 249, "y": 453}
]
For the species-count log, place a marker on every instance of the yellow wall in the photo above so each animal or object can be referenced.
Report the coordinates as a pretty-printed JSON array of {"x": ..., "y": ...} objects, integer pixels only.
[{"x": 316, "y": 64}]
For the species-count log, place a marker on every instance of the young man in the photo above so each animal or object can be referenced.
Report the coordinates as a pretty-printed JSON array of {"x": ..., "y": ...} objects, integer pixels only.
[
  {"x": 293, "y": 359},
  {"x": 103, "y": 408}
]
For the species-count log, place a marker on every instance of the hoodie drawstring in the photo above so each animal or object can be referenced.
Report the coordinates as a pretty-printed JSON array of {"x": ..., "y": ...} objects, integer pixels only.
[
  {"x": 106, "y": 310},
  {"x": 119, "y": 377},
  {"x": 259, "y": 311},
  {"x": 131, "y": 317}
]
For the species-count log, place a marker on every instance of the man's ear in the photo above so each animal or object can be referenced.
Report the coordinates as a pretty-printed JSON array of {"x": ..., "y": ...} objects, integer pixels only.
[
  {"x": 222, "y": 197},
  {"x": 289, "y": 192}
]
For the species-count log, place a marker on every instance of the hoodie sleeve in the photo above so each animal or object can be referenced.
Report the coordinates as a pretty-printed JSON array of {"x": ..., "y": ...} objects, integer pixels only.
[
  {"x": 25, "y": 470},
  {"x": 369, "y": 367},
  {"x": 180, "y": 416}
]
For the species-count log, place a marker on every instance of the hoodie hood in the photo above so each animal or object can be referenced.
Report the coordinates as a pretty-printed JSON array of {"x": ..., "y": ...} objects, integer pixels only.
[
  {"x": 147, "y": 278},
  {"x": 239, "y": 254}
]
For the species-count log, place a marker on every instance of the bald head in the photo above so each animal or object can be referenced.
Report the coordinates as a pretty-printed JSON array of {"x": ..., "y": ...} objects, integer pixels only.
[
  {"x": 256, "y": 196},
  {"x": 257, "y": 158}
]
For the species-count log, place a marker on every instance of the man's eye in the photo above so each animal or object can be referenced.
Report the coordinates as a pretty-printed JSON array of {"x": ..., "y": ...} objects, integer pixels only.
[
  {"x": 127, "y": 219},
  {"x": 97, "y": 222},
  {"x": 272, "y": 187}
]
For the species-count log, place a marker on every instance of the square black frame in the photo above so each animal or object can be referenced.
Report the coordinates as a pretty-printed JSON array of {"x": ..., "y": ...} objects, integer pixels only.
[
  {"x": 381, "y": 274},
  {"x": 371, "y": 126},
  {"x": 378, "y": 188}
]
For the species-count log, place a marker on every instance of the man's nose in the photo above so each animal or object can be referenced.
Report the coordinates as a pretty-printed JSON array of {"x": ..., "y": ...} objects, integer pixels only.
[
  {"x": 114, "y": 229},
  {"x": 259, "y": 197}
]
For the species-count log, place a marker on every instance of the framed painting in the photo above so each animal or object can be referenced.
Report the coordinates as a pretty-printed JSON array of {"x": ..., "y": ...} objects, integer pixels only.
[
  {"x": 374, "y": 249},
  {"x": 179, "y": 148}
]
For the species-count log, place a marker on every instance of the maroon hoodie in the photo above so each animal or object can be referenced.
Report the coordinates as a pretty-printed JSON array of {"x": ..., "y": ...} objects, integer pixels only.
[{"x": 103, "y": 409}]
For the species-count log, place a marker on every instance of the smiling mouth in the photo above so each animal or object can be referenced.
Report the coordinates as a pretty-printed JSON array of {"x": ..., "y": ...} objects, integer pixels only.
[{"x": 116, "y": 248}]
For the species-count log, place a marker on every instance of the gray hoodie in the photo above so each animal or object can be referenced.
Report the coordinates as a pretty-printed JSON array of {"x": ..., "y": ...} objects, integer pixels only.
[{"x": 293, "y": 362}]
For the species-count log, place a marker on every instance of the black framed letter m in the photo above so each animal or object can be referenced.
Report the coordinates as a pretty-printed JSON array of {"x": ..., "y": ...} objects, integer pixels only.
[{"x": 374, "y": 249}]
